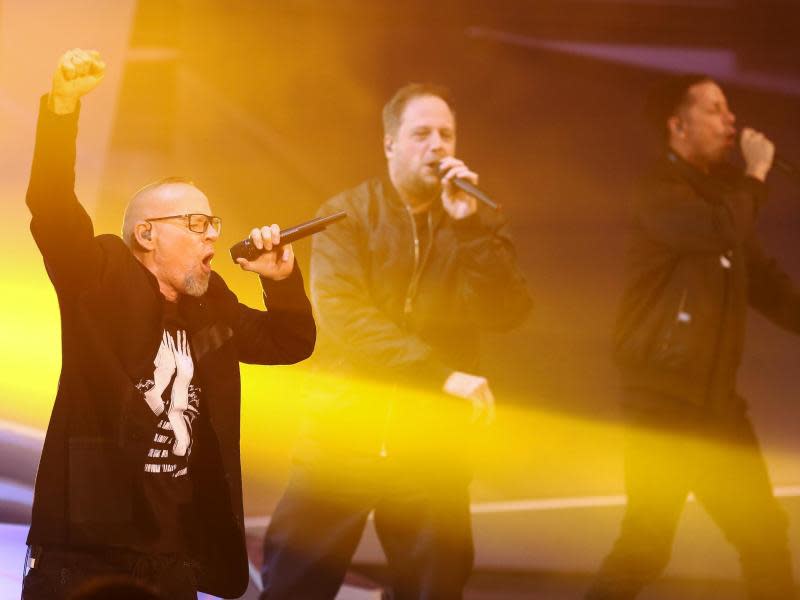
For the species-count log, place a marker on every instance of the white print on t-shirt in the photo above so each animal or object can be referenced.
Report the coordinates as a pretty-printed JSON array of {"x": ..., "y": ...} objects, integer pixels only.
[{"x": 173, "y": 437}]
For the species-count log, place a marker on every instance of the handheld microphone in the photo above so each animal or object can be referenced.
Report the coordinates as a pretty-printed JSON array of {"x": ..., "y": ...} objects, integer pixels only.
[
  {"x": 473, "y": 190},
  {"x": 788, "y": 167},
  {"x": 247, "y": 250}
]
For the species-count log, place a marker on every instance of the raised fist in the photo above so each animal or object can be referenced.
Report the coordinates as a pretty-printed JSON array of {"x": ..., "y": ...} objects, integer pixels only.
[{"x": 78, "y": 72}]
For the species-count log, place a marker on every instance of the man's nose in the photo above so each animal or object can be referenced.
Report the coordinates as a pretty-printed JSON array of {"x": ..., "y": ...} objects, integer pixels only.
[
  {"x": 212, "y": 233},
  {"x": 435, "y": 141}
]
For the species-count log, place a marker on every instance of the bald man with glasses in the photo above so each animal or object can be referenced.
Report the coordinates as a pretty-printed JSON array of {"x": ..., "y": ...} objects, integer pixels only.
[{"x": 140, "y": 473}]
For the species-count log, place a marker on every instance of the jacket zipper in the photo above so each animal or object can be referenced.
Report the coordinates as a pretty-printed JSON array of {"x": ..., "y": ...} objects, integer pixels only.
[
  {"x": 667, "y": 340},
  {"x": 718, "y": 341},
  {"x": 419, "y": 262},
  {"x": 408, "y": 305}
]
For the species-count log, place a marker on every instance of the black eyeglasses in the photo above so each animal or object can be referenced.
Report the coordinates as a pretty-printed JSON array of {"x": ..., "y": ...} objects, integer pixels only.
[{"x": 196, "y": 222}]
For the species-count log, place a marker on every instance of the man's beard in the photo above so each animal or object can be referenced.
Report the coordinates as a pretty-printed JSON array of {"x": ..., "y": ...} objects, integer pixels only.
[
  {"x": 195, "y": 286},
  {"x": 425, "y": 191}
]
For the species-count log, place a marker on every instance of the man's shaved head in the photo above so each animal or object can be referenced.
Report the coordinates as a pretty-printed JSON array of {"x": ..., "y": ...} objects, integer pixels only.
[
  {"x": 147, "y": 203},
  {"x": 156, "y": 229}
]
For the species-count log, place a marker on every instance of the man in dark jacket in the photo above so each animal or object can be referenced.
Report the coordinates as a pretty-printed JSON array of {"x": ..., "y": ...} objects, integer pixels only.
[
  {"x": 402, "y": 289},
  {"x": 694, "y": 265},
  {"x": 140, "y": 471}
]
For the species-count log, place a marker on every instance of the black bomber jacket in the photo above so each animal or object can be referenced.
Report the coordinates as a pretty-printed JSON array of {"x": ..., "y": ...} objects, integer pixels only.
[
  {"x": 403, "y": 307},
  {"x": 694, "y": 265}
]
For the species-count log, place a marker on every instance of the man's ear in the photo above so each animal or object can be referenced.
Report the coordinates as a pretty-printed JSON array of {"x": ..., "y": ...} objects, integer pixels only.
[
  {"x": 143, "y": 234},
  {"x": 388, "y": 144},
  {"x": 675, "y": 126}
]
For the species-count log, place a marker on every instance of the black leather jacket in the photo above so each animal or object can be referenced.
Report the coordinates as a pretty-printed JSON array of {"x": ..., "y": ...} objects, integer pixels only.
[
  {"x": 694, "y": 264},
  {"x": 393, "y": 315}
]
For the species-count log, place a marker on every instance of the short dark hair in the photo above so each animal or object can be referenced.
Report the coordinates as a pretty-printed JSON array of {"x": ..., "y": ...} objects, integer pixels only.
[
  {"x": 393, "y": 109},
  {"x": 669, "y": 96}
]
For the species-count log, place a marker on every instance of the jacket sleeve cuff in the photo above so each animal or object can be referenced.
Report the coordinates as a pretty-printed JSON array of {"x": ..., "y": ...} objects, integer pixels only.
[
  {"x": 429, "y": 375},
  {"x": 59, "y": 125},
  {"x": 56, "y": 132},
  {"x": 757, "y": 188},
  {"x": 469, "y": 228},
  {"x": 287, "y": 293},
  {"x": 53, "y": 165}
]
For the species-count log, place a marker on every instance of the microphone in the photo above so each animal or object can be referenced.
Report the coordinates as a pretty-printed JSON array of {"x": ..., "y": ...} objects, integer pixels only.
[
  {"x": 247, "y": 250},
  {"x": 787, "y": 167},
  {"x": 778, "y": 160},
  {"x": 473, "y": 190}
]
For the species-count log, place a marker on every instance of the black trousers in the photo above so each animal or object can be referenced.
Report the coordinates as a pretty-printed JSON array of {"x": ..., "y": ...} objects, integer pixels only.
[
  {"x": 723, "y": 466},
  {"x": 422, "y": 521},
  {"x": 59, "y": 572}
]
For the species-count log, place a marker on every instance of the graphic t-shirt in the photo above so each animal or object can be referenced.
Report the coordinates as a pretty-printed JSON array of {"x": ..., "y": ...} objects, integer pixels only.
[{"x": 171, "y": 394}]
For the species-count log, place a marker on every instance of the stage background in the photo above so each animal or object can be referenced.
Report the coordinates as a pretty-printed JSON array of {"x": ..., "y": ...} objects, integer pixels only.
[{"x": 273, "y": 107}]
